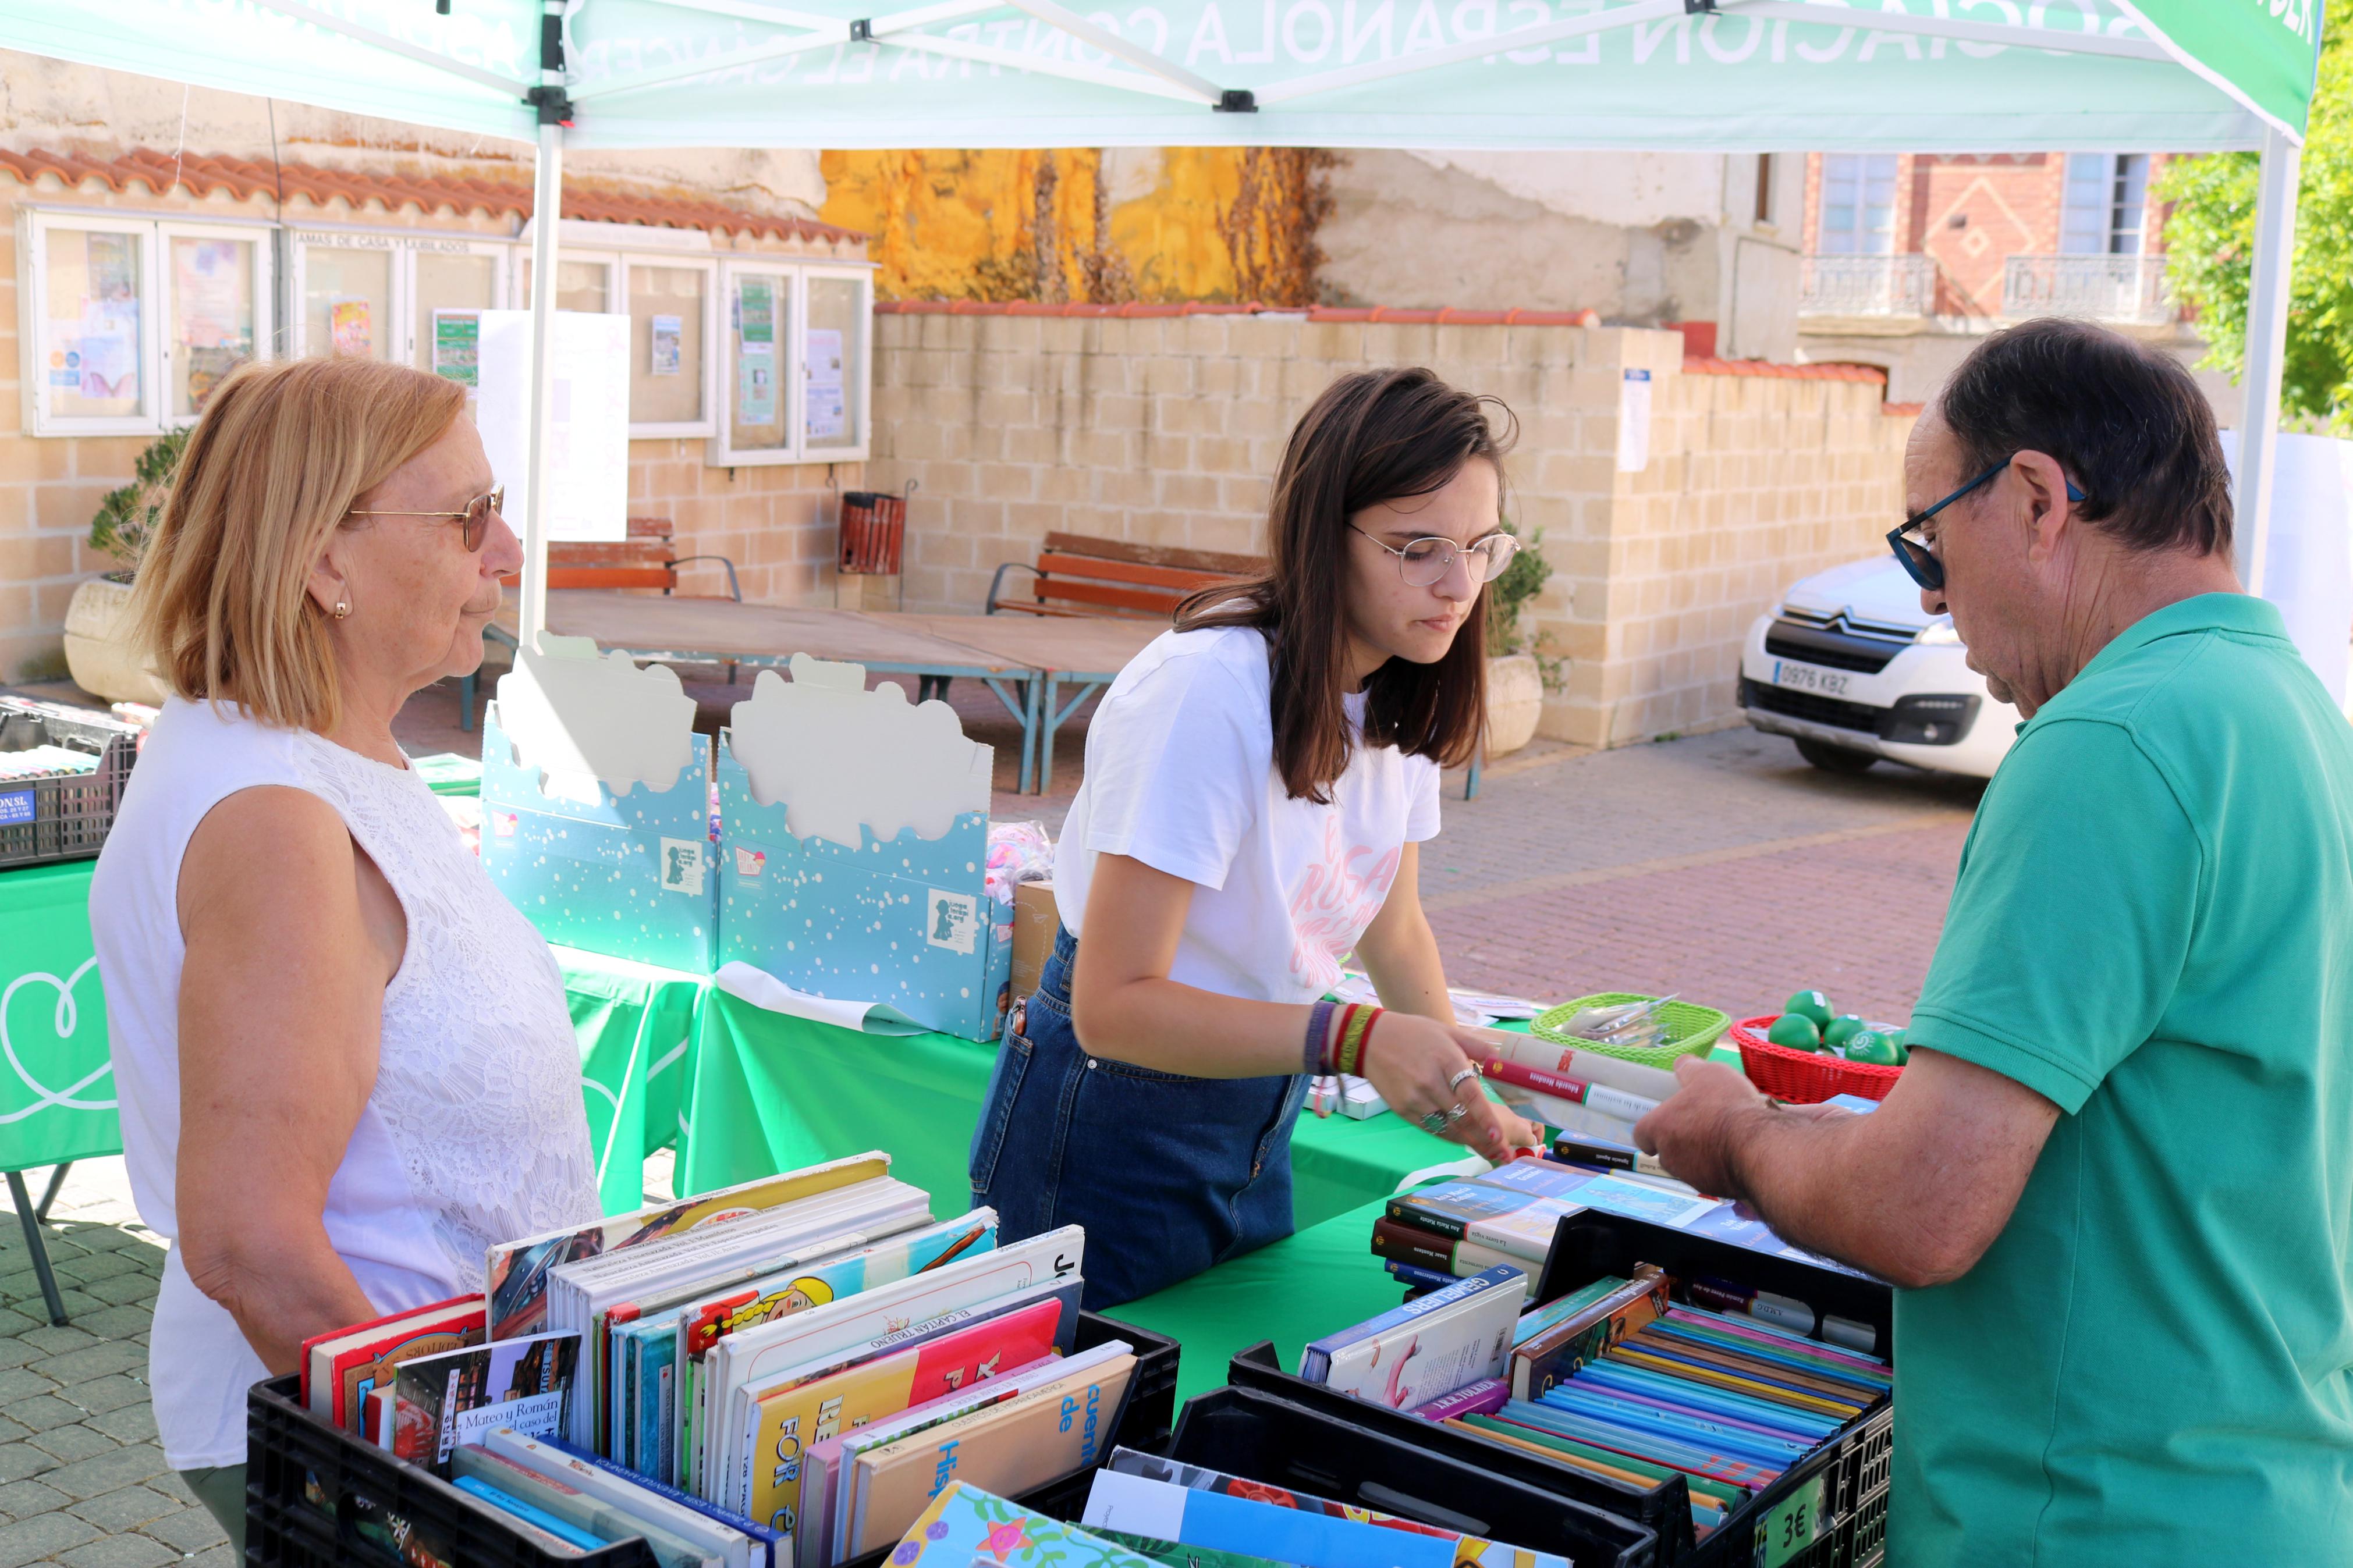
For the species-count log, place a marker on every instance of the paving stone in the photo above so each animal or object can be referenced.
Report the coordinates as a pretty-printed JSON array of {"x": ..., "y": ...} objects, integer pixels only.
[
  {"x": 42, "y": 1411},
  {"x": 19, "y": 1500},
  {"x": 57, "y": 1341},
  {"x": 18, "y": 1460},
  {"x": 13, "y": 1323},
  {"x": 192, "y": 1529},
  {"x": 14, "y": 1351},
  {"x": 125, "y": 1508},
  {"x": 94, "y": 1362},
  {"x": 42, "y": 1535},
  {"x": 131, "y": 1424},
  {"x": 12, "y": 1433},
  {"x": 217, "y": 1557},
  {"x": 16, "y": 1384},
  {"x": 112, "y": 1391},
  {"x": 113, "y": 1321},
  {"x": 121, "y": 1551},
  {"x": 126, "y": 1289},
  {"x": 116, "y": 1466},
  {"x": 71, "y": 1443},
  {"x": 103, "y": 1266}
]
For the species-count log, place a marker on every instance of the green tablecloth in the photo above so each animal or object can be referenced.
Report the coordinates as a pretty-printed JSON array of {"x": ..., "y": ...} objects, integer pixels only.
[
  {"x": 56, "y": 1098},
  {"x": 770, "y": 1093},
  {"x": 637, "y": 1028},
  {"x": 1303, "y": 1287}
]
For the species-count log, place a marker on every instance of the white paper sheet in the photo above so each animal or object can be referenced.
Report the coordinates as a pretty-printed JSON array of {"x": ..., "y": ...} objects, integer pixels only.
[{"x": 763, "y": 989}]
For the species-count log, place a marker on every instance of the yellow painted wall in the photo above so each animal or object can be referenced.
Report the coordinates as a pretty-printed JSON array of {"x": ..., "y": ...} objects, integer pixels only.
[{"x": 1220, "y": 224}]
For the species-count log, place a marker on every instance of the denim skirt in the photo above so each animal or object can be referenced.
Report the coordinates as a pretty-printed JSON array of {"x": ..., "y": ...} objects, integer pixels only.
[{"x": 1169, "y": 1175}]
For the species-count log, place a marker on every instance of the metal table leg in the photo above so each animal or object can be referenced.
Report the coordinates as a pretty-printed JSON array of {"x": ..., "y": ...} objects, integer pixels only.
[
  {"x": 57, "y": 1179},
  {"x": 33, "y": 1244}
]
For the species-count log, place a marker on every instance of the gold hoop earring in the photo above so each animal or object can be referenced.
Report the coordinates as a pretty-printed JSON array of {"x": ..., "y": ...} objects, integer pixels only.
[{"x": 343, "y": 609}]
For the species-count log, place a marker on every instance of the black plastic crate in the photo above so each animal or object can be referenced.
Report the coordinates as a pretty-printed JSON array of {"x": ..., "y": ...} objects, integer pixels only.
[
  {"x": 1664, "y": 1510},
  {"x": 1145, "y": 1413},
  {"x": 315, "y": 1494},
  {"x": 61, "y": 817},
  {"x": 1284, "y": 1442},
  {"x": 1848, "y": 1524}
]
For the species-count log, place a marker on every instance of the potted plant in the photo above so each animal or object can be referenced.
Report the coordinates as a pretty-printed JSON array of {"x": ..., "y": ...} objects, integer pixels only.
[
  {"x": 102, "y": 660},
  {"x": 1515, "y": 685}
]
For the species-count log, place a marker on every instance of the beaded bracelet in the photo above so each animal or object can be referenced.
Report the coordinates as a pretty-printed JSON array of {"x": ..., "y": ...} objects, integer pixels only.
[{"x": 1317, "y": 1056}]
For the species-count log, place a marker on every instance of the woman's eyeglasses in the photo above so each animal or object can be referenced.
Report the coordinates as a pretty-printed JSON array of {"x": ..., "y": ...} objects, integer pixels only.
[
  {"x": 1912, "y": 547},
  {"x": 1426, "y": 562},
  {"x": 475, "y": 519}
]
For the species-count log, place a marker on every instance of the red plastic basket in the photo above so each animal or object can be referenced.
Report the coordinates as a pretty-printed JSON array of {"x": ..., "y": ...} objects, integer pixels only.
[{"x": 1805, "y": 1078}]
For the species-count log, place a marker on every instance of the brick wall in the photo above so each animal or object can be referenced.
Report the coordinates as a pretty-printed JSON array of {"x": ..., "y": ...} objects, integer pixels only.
[
  {"x": 1166, "y": 430},
  {"x": 776, "y": 522}
]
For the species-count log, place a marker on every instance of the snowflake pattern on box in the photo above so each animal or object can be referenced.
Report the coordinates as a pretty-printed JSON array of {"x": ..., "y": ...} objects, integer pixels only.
[
  {"x": 968, "y": 1528},
  {"x": 628, "y": 876},
  {"x": 904, "y": 921}
]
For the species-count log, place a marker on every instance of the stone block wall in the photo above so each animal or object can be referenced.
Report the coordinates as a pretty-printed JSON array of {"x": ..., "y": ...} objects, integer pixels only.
[{"x": 1166, "y": 429}]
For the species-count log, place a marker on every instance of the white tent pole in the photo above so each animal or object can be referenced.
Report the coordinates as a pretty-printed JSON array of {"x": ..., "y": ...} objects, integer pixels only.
[
  {"x": 2267, "y": 301},
  {"x": 546, "y": 218}
]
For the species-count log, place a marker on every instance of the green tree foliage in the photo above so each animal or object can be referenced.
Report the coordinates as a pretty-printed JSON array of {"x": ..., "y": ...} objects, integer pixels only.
[{"x": 2209, "y": 240}]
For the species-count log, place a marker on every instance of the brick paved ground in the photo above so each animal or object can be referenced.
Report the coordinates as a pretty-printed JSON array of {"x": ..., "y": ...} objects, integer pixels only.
[{"x": 1719, "y": 866}]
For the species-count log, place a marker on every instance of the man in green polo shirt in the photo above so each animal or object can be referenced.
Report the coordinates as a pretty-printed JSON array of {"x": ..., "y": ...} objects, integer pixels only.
[{"x": 2115, "y": 1186}]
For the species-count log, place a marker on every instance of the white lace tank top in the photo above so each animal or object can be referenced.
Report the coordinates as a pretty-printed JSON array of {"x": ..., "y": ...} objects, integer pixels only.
[{"x": 475, "y": 1131}]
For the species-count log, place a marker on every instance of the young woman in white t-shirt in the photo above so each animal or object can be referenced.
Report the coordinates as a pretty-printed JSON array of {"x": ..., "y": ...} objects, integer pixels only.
[{"x": 1258, "y": 782}]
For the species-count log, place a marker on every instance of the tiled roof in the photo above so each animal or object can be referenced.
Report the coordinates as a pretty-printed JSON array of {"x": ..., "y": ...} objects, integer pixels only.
[
  {"x": 1785, "y": 372},
  {"x": 1200, "y": 308},
  {"x": 202, "y": 175}
]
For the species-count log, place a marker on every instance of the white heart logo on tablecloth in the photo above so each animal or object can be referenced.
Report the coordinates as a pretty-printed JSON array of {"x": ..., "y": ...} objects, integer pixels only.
[{"x": 67, "y": 1019}]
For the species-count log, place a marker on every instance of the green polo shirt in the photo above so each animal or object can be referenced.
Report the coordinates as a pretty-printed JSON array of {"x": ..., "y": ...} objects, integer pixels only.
[{"x": 2153, "y": 929}]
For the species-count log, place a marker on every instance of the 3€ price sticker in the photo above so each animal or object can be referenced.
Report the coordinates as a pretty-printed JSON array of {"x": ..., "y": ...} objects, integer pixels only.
[{"x": 1795, "y": 1524}]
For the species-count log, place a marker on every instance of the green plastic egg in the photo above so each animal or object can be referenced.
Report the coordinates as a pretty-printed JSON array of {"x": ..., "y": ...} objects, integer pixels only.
[
  {"x": 1812, "y": 1004},
  {"x": 1795, "y": 1031},
  {"x": 1841, "y": 1029},
  {"x": 1871, "y": 1046}
]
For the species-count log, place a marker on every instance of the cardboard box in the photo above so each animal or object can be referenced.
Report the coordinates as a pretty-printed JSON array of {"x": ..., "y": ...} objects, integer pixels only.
[
  {"x": 597, "y": 811},
  {"x": 1036, "y": 918},
  {"x": 854, "y": 849}
]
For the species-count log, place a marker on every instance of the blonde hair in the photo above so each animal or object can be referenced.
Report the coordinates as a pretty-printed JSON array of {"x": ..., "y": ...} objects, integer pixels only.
[{"x": 284, "y": 450}]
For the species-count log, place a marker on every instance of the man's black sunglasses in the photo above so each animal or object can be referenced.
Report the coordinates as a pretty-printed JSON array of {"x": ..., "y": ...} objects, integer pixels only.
[{"x": 1917, "y": 558}]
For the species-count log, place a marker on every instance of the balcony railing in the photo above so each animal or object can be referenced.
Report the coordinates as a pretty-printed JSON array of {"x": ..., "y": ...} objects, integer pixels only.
[
  {"x": 1867, "y": 286},
  {"x": 2127, "y": 289}
]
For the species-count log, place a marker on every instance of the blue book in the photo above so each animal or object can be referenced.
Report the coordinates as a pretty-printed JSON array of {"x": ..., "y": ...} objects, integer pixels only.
[
  {"x": 1636, "y": 1407},
  {"x": 1420, "y": 1278},
  {"x": 1651, "y": 1443},
  {"x": 538, "y": 1517},
  {"x": 1642, "y": 1381},
  {"x": 1539, "y": 1178},
  {"x": 1315, "y": 1361},
  {"x": 776, "y": 1542},
  {"x": 1778, "y": 1453}
]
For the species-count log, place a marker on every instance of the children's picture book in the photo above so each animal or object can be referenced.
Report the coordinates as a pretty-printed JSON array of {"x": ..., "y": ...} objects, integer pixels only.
[
  {"x": 341, "y": 1369},
  {"x": 698, "y": 1528},
  {"x": 965, "y": 1525},
  {"x": 1176, "y": 1554},
  {"x": 1270, "y": 1521},
  {"x": 775, "y": 1551},
  {"x": 1432, "y": 1346},
  {"x": 1552, "y": 1355},
  {"x": 459, "y": 1396},
  {"x": 1046, "y": 1433},
  {"x": 849, "y": 1394},
  {"x": 1470, "y": 1551},
  {"x": 516, "y": 1271}
]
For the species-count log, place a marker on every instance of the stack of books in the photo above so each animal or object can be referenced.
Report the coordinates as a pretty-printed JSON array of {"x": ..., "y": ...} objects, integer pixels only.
[{"x": 783, "y": 1387}]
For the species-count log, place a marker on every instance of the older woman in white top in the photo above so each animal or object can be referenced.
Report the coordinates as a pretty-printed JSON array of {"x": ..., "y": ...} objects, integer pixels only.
[{"x": 344, "y": 1061}]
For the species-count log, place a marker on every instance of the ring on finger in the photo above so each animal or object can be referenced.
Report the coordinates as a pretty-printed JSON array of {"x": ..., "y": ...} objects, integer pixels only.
[
  {"x": 1461, "y": 1077},
  {"x": 1435, "y": 1121},
  {"x": 1455, "y": 1113}
]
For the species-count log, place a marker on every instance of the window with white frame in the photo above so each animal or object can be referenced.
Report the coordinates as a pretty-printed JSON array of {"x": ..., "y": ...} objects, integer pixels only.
[
  {"x": 2107, "y": 197},
  {"x": 1857, "y": 205},
  {"x": 126, "y": 323},
  {"x": 794, "y": 372},
  {"x": 674, "y": 338},
  {"x": 452, "y": 281}
]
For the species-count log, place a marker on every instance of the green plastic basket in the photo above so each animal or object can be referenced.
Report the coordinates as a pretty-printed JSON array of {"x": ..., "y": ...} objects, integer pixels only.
[{"x": 1692, "y": 1029}]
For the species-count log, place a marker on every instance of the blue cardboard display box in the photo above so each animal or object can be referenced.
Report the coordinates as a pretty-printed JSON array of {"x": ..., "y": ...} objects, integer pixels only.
[
  {"x": 624, "y": 875},
  {"x": 904, "y": 921}
]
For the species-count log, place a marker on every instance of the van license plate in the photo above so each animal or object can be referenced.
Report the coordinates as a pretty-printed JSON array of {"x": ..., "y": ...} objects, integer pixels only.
[{"x": 1811, "y": 678}]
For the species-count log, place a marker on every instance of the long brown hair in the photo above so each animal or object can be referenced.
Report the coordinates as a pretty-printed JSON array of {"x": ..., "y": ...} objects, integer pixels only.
[{"x": 1373, "y": 437}]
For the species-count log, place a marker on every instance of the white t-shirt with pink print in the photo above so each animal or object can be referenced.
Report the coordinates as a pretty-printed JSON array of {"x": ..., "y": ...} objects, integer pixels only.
[{"x": 1180, "y": 775}]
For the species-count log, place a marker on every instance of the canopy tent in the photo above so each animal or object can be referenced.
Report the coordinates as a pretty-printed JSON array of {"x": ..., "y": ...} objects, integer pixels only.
[{"x": 1701, "y": 75}]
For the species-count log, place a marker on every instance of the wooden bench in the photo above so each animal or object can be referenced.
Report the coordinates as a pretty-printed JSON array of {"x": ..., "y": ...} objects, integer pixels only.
[{"x": 1077, "y": 574}]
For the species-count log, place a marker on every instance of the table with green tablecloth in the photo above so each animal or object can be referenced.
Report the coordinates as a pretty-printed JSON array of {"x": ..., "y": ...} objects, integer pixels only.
[
  {"x": 770, "y": 1091},
  {"x": 636, "y": 1026}
]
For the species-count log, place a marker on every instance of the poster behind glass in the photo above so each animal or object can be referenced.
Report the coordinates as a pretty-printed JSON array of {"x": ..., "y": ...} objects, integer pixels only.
[
  {"x": 666, "y": 305},
  {"x": 831, "y": 370},
  {"x": 757, "y": 307},
  {"x": 212, "y": 325},
  {"x": 347, "y": 302},
  {"x": 93, "y": 365}
]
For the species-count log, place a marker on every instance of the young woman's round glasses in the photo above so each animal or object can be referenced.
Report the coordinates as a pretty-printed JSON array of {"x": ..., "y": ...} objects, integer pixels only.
[
  {"x": 475, "y": 520},
  {"x": 1424, "y": 563}
]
